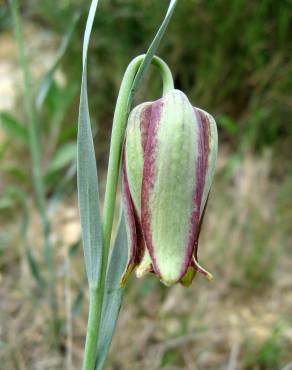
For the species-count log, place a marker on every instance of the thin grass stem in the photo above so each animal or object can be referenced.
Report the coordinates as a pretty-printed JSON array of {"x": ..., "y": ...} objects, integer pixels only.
[{"x": 35, "y": 152}]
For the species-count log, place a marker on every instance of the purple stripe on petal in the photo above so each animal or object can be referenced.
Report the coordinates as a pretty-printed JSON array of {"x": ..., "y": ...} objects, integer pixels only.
[
  {"x": 201, "y": 170},
  {"x": 199, "y": 230},
  {"x": 145, "y": 118},
  {"x": 205, "y": 147},
  {"x": 149, "y": 174},
  {"x": 204, "y": 144},
  {"x": 135, "y": 240},
  {"x": 195, "y": 263}
]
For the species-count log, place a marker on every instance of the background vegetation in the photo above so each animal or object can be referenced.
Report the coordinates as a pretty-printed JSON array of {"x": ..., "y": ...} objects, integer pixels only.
[{"x": 233, "y": 59}]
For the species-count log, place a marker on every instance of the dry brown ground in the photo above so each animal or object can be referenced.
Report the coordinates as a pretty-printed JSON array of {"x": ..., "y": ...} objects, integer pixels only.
[{"x": 240, "y": 320}]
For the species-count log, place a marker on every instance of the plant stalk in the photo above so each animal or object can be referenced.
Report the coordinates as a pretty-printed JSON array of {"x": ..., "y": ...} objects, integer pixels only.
[
  {"x": 117, "y": 138},
  {"x": 35, "y": 153}
]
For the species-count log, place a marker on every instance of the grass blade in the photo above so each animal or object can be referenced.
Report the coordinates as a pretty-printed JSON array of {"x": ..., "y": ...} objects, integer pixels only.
[
  {"x": 48, "y": 79},
  {"x": 113, "y": 293},
  {"x": 35, "y": 151},
  {"x": 34, "y": 267},
  {"x": 14, "y": 128},
  {"x": 64, "y": 156},
  {"x": 87, "y": 181},
  {"x": 151, "y": 52}
]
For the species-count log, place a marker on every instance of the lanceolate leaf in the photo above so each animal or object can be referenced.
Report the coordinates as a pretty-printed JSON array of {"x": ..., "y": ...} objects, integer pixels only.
[
  {"x": 113, "y": 294},
  {"x": 87, "y": 181},
  {"x": 151, "y": 51}
]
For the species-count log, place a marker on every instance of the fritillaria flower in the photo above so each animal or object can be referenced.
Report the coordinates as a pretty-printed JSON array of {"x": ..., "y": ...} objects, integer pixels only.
[{"x": 168, "y": 164}]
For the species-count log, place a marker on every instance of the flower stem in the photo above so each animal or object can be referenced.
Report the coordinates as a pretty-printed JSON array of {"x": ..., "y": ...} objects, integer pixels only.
[
  {"x": 118, "y": 132},
  {"x": 117, "y": 138},
  {"x": 93, "y": 324}
]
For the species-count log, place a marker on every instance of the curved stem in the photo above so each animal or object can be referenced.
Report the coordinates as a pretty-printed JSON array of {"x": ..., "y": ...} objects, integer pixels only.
[
  {"x": 167, "y": 79},
  {"x": 117, "y": 138}
]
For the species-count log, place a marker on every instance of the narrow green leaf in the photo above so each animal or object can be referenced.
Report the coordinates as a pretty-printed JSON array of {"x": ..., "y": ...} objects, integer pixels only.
[
  {"x": 34, "y": 267},
  {"x": 77, "y": 303},
  {"x": 13, "y": 128},
  {"x": 48, "y": 79},
  {"x": 62, "y": 187},
  {"x": 228, "y": 124},
  {"x": 73, "y": 248},
  {"x": 65, "y": 155},
  {"x": 32, "y": 262},
  {"x": 151, "y": 52},
  {"x": 16, "y": 173},
  {"x": 113, "y": 294},
  {"x": 87, "y": 182}
]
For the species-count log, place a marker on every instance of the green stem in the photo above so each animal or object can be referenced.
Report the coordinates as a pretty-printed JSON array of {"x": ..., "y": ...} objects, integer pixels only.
[
  {"x": 93, "y": 324},
  {"x": 118, "y": 132},
  {"x": 35, "y": 157}
]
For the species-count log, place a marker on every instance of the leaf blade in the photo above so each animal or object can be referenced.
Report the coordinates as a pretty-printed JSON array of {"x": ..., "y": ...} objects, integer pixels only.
[
  {"x": 87, "y": 180},
  {"x": 113, "y": 294},
  {"x": 48, "y": 79},
  {"x": 151, "y": 51},
  {"x": 14, "y": 128},
  {"x": 34, "y": 266},
  {"x": 65, "y": 155}
]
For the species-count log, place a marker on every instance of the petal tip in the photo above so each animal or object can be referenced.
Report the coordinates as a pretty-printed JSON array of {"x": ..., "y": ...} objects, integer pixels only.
[
  {"x": 209, "y": 276},
  {"x": 200, "y": 269},
  {"x": 168, "y": 283},
  {"x": 145, "y": 266},
  {"x": 142, "y": 271},
  {"x": 126, "y": 275},
  {"x": 188, "y": 277}
]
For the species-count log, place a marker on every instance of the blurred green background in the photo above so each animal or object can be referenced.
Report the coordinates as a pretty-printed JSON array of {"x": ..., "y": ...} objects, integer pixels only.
[{"x": 233, "y": 59}]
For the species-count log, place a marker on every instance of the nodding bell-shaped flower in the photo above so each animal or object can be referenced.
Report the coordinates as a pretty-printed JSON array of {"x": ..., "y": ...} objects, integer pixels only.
[{"x": 168, "y": 163}]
